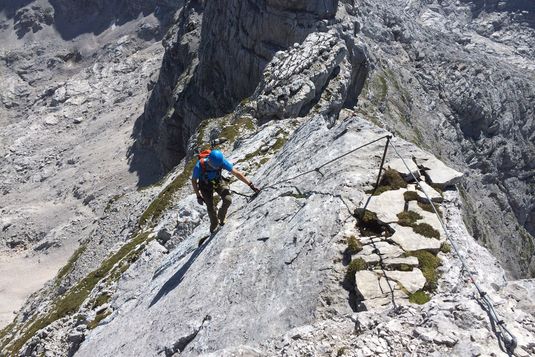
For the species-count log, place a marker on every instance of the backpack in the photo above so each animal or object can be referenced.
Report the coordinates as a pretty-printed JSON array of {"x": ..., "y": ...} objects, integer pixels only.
[{"x": 203, "y": 155}]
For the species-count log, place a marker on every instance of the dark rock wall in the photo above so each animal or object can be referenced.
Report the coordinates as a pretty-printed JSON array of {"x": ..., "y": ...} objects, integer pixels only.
[{"x": 237, "y": 40}]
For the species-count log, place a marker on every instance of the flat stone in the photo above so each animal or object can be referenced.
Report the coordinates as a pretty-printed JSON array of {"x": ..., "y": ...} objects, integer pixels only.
[
  {"x": 411, "y": 280},
  {"x": 433, "y": 194},
  {"x": 370, "y": 253},
  {"x": 372, "y": 285},
  {"x": 407, "y": 174},
  {"x": 388, "y": 204},
  {"x": 427, "y": 217},
  {"x": 438, "y": 173},
  {"x": 410, "y": 241},
  {"x": 396, "y": 262}
]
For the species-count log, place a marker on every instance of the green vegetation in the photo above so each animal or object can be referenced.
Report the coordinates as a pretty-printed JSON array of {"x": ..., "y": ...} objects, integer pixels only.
[
  {"x": 428, "y": 264},
  {"x": 6, "y": 330},
  {"x": 101, "y": 300},
  {"x": 426, "y": 230},
  {"x": 391, "y": 180},
  {"x": 100, "y": 316},
  {"x": 405, "y": 267},
  {"x": 410, "y": 196},
  {"x": 353, "y": 245},
  {"x": 408, "y": 218},
  {"x": 232, "y": 131},
  {"x": 70, "y": 264},
  {"x": 445, "y": 248},
  {"x": 341, "y": 351},
  {"x": 429, "y": 208},
  {"x": 279, "y": 143},
  {"x": 419, "y": 297},
  {"x": 353, "y": 267},
  {"x": 164, "y": 199},
  {"x": 73, "y": 299},
  {"x": 112, "y": 200},
  {"x": 370, "y": 225}
]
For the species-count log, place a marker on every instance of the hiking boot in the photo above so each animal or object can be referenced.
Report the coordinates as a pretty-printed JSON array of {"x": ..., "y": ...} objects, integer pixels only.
[
  {"x": 222, "y": 222},
  {"x": 213, "y": 227}
]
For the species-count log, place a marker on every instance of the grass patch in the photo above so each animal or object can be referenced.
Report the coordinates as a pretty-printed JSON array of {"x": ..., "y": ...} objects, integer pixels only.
[
  {"x": 445, "y": 248},
  {"x": 73, "y": 299},
  {"x": 419, "y": 297},
  {"x": 67, "y": 268},
  {"x": 408, "y": 219},
  {"x": 101, "y": 300},
  {"x": 429, "y": 208},
  {"x": 341, "y": 351},
  {"x": 100, "y": 316},
  {"x": 231, "y": 132},
  {"x": 428, "y": 264},
  {"x": 369, "y": 224},
  {"x": 164, "y": 199},
  {"x": 112, "y": 200},
  {"x": 391, "y": 180},
  {"x": 410, "y": 196},
  {"x": 353, "y": 267},
  {"x": 405, "y": 267},
  {"x": 426, "y": 230},
  {"x": 353, "y": 245}
]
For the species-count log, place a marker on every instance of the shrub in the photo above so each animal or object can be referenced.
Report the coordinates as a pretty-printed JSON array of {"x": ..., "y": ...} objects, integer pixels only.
[
  {"x": 445, "y": 248},
  {"x": 428, "y": 264},
  {"x": 426, "y": 230},
  {"x": 410, "y": 196},
  {"x": 429, "y": 208},
  {"x": 353, "y": 245},
  {"x": 408, "y": 218},
  {"x": 353, "y": 267},
  {"x": 368, "y": 223},
  {"x": 419, "y": 297},
  {"x": 393, "y": 179}
]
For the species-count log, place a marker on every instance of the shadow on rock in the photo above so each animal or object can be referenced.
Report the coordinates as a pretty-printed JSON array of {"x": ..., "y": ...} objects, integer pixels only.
[{"x": 177, "y": 278}]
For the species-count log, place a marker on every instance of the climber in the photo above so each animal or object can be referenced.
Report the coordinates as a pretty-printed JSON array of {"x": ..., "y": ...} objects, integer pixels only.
[{"x": 206, "y": 179}]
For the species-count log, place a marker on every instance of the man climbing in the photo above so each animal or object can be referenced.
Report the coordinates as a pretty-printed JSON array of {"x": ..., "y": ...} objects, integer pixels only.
[{"x": 206, "y": 179}]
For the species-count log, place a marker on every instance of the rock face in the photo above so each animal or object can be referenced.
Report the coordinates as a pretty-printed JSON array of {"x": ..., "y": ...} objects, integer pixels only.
[
  {"x": 300, "y": 268},
  {"x": 199, "y": 77},
  {"x": 457, "y": 81}
]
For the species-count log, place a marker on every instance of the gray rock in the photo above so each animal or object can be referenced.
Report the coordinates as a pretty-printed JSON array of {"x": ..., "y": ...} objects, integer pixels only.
[{"x": 410, "y": 241}]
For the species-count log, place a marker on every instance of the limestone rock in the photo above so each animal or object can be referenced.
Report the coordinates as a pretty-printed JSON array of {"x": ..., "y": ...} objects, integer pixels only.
[
  {"x": 438, "y": 173},
  {"x": 407, "y": 174},
  {"x": 388, "y": 205},
  {"x": 410, "y": 241}
]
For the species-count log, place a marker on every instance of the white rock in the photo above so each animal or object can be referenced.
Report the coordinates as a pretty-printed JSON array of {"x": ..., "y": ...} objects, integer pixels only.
[
  {"x": 407, "y": 174},
  {"x": 388, "y": 204},
  {"x": 438, "y": 173},
  {"x": 433, "y": 194},
  {"x": 411, "y": 280},
  {"x": 411, "y": 241}
]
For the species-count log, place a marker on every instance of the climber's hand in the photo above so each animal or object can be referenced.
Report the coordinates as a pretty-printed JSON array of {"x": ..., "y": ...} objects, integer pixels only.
[{"x": 252, "y": 186}]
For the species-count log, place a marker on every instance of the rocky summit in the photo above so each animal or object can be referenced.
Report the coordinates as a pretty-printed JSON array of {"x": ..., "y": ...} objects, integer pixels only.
[{"x": 392, "y": 144}]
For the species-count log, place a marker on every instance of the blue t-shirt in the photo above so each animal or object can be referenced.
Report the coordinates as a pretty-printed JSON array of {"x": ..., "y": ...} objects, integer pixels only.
[{"x": 211, "y": 173}]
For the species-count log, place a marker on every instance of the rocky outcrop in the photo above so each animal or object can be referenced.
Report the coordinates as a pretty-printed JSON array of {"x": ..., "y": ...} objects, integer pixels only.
[
  {"x": 455, "y": 82},
  {"x": 199, "y": 79}
]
